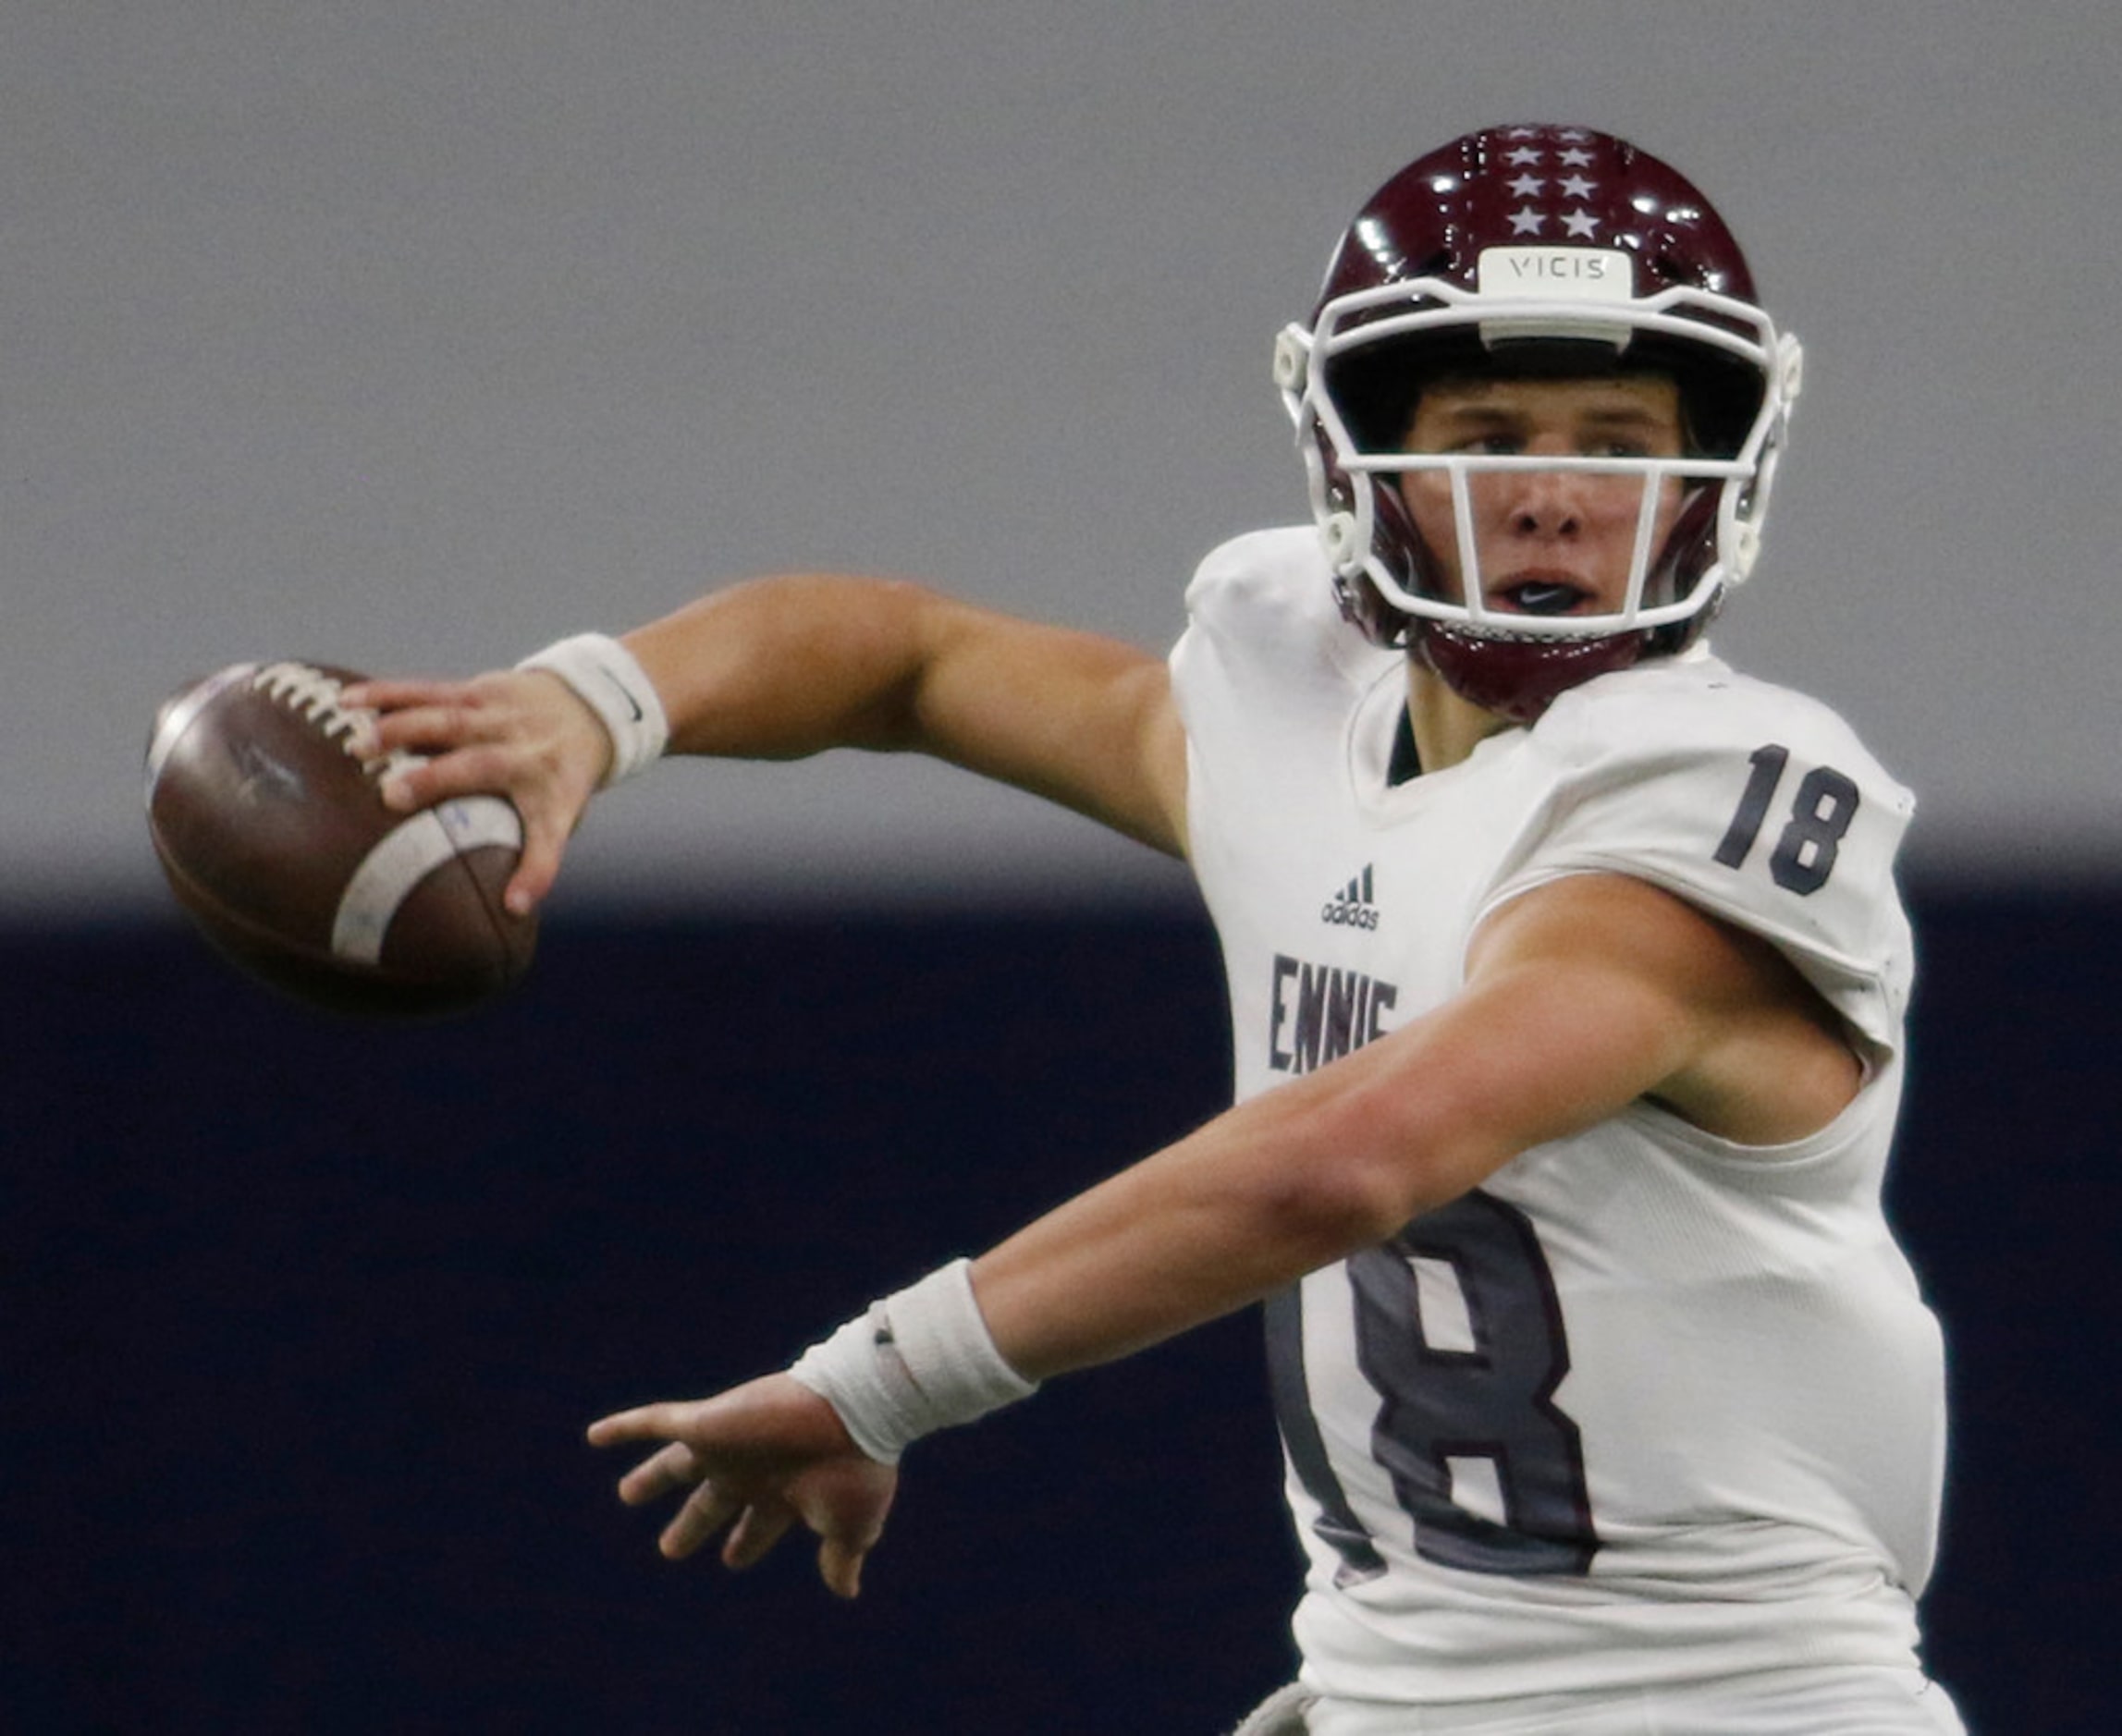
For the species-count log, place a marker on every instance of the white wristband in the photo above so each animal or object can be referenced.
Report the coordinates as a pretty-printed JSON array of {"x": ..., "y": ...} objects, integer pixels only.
[
  {"x": 919, "y": 1360},
  {"x": 607, "y": 678}
]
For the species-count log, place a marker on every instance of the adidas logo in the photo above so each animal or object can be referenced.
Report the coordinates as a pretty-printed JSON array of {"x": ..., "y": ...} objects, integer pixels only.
[{"x": 1352, "y": 906}]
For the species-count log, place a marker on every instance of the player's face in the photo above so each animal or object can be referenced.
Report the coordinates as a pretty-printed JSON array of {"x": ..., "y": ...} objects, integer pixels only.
[{"x": 1547, "y": 542}]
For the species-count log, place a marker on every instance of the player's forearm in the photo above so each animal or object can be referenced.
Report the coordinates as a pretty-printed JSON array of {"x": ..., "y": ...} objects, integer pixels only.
[
  {"x": 782, "y": 667},
  {"x": 1280, "y": 1186},
  {"x": 777, "y": 669},
  {"x": 1332, "y": 1162},
  {"x": 1542, "y": 1043},
  {"x": 1232, "y": 1213}
]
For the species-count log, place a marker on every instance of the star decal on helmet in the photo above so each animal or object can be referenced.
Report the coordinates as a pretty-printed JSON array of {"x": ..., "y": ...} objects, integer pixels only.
[{"x": 1527, "y": 221}]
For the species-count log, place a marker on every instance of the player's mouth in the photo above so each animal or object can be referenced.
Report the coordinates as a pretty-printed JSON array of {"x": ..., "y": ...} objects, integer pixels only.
[{"x": 1543, "y": 594}]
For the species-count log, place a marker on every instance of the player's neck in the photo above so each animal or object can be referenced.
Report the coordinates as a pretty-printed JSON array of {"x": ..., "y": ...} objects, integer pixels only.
[{"x": 1447, "y": 728}]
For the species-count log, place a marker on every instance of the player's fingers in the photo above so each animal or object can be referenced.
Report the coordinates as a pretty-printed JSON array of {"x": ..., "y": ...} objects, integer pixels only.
[
  {"x": 536, "y": 872},
  {"x": 847, "y": 1505},
  {"x": 422, "y": 718},
  {"x": 758, "y": 1528},
  {"x": 434, "y": 717},
  {"x": 840, "y": 1565},
  {"x": 411, "y": 784},
  {"x": 384, "y": 694},
  {"x": 674, "y": 1467},
  {"x": 663, "y": 1421},
  {"x": 705, "y": 1511},
  {"x": 621, "y": 1427}
]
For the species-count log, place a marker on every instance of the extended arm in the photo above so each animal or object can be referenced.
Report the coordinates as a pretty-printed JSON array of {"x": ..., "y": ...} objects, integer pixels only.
[
  {"x": 1582, "y": 997},
  {"x": 779, "y": 668}
]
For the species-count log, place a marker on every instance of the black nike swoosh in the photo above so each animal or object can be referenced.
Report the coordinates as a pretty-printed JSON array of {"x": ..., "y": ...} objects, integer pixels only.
[{"x": 628, "y": 698}]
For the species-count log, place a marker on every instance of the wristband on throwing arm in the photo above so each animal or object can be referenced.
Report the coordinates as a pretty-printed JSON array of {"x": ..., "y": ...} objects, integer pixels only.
[
  {"x": 918, "y": 1360},
  {"x": 608, "y": 679}
]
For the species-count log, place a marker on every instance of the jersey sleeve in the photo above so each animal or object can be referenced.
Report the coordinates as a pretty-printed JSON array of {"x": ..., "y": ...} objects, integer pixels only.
[
  {"x": 1260, "y": 619},
  {"x": 1265, "y": 660},
  {"x": 1751, "y": 802}
]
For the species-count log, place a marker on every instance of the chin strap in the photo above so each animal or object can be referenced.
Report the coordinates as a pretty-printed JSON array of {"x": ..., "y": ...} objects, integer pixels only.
[{"x": 1519, "y": 679}]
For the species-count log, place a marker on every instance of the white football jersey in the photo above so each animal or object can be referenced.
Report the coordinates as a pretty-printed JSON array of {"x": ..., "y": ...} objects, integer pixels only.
[{"x": 1647, "y": 1406}]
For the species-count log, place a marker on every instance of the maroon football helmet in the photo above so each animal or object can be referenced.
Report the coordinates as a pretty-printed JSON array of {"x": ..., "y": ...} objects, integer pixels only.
[{"x": 1540, "y": 251}]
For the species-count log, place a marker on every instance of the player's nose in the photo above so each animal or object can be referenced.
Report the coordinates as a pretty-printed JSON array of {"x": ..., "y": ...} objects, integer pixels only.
[{"x": 1546, "y": 503}]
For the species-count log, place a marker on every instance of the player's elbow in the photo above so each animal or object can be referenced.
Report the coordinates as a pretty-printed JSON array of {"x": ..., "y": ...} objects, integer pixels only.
[
  {"x": 1377, "y": 1163},
  {"x": 1331, "y": 1206},
  {"x": 1334, "y": 1208}
]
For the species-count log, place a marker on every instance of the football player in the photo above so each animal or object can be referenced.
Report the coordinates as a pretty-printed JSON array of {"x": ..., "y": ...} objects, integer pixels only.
[{"x": 1567, "y": 975}]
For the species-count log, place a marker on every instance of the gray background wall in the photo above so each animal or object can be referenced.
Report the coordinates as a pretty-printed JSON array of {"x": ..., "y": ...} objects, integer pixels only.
[{"x": 412, "y": 334}]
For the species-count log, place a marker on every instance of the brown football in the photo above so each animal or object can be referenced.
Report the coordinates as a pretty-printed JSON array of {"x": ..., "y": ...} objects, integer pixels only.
[{"x": 273, "y": 834}]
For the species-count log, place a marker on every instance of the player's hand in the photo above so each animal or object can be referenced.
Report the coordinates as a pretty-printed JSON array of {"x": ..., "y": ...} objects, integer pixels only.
[
  {"x": 757, "y": 1458},
  {"x": 521, "y": 734}
]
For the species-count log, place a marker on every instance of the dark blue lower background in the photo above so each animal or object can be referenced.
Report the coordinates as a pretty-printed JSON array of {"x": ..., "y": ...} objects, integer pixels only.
[{"x": 303, "y": 1319}]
